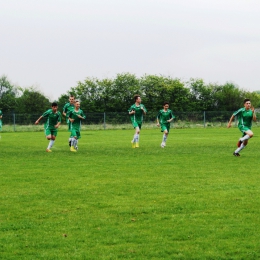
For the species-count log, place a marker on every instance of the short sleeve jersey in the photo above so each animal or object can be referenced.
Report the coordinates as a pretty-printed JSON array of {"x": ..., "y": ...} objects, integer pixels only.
[
  {"x": 67, "y": 107},
  {"x": 163, "y": 116},
  {"x": 52, "y": 119},
  {"x": 138, "y": 116},
  {"x": 76, "y": 124},
  {"x": 1, "y": 114},
  {"x": 244, "y": 117}
]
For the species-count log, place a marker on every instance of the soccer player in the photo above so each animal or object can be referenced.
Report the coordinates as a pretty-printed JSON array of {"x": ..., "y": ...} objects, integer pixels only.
[
  {"x": 66, "y": 109},
  {"x": 1, "y": 116},
  {"x": 164, "y": 118},
  {"x": 245, "y": 116},
  {"x": 136, "y": 112},
  {"x": 75, "y": 116},
  {"x": 51, "y": 125}
]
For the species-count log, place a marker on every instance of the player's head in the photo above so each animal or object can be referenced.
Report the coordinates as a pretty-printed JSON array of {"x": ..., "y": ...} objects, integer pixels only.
[
  {"x": 137, "y": 98},
  {"x": 54, "y": 106},
  {"x": 166, "y": 104},
  {"x": 77, "y": 103},
  {"x": 246, "y": 100},
  {"x": 71, "y": 99},
  {"x": 247, "y": 103}
]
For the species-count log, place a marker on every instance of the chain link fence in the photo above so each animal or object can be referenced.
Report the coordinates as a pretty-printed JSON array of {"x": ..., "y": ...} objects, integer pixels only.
[{"x": 115, "y": 120}]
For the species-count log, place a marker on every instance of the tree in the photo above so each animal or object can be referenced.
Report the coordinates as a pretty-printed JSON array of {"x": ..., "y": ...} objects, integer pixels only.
[
  {"x": 31, "y": 101},
  {"x": 8, "y": 93}
]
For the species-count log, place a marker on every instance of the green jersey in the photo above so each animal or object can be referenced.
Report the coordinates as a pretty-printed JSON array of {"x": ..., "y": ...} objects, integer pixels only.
[
  {"x": 76, "y": 124},
  {"x": 163, "y": 116},
  {"x": 138, "y": 116},
  {"x": 244, "y": 117},
  {"x": 67, "y": 108},
  {"x": 52, "y": 119},
  {"x": 1, "y": 114}
]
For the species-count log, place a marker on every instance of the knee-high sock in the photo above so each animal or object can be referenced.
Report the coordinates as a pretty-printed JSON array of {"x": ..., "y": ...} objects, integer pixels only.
[
  {"x": 246, "y": 137},
  {"x": 164, "y": 138},
  {"x": 50, "y": 144},
  {"x": 242, "y": 146}
]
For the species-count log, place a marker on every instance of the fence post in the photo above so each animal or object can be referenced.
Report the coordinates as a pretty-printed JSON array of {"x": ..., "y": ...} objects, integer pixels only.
[
  {"x": 104, "y": 120},
  {"x": 14, "y": 120},
  {"x": 204, "y": 118}
]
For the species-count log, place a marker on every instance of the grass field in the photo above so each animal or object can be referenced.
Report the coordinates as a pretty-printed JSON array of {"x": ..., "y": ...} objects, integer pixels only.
[{"x": 191, "y": 200}]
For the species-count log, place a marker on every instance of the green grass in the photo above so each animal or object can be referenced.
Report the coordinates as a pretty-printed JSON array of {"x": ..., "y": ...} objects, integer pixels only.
[{"x": 191, "y": 200}]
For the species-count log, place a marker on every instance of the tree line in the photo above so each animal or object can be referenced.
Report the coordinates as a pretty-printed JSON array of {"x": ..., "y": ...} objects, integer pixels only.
[{"x": 116, "y": 95}]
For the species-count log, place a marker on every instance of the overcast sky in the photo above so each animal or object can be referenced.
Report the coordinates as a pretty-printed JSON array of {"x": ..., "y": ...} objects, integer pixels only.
[{"x": 53, "y": 44}]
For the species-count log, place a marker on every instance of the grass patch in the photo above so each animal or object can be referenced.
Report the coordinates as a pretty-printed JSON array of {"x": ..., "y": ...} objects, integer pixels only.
[{"x": 191, "y": 200}]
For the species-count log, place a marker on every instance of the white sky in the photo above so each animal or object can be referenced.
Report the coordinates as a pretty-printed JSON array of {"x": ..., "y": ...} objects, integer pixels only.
[{"x": 53, "y": 44}]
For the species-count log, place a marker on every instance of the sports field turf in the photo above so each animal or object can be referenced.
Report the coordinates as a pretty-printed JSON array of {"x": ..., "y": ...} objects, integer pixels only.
[{"x": 191, "y": 200}]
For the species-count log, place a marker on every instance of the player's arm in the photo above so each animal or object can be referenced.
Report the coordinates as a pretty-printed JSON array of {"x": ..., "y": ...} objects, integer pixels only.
[
  {"x": 38, "y": 120},
  {"x": 230, "y": 121},
  {"x": 144, "y": 109},
  {"x": 254, "y": 114},
  {"x": 58, "y": 121},
  {"x": 82, "y": 116},
  {"x": 131, "y": 111},
  {"x": 171, "y": 118},
  {"x": 157, "y": 119}
]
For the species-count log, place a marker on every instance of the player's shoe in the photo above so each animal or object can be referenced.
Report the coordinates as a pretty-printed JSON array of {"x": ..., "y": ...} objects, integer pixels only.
[
  {"x": 236, "y": 154},
  {"x": 72, "y": 149},
  {"x": 136, "y": 145},
  {"x": 239, "y": 143},
  {"x": 162, "y": 144},
  {"x": 76, "y": 148},
  {"x": 48, "y": 150},
  {"x": 133, "y": 144}
]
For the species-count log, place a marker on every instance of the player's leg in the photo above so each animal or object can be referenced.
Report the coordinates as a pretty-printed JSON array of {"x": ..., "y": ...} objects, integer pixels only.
[
  {"x": 73, "y": 140},
  {"x": 242, "y": 143},
  {"x": 137, "y": 135},
  {"x": 165, "y": 135},
  {"x": 48, "y": 137}
]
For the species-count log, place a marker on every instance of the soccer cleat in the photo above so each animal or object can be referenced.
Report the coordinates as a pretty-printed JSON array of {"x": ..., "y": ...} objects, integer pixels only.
[
  {"x": 136, "y": 145},
  {"x": 162, "y": 145},
  {"x": 239, "y": 143},
  {"x": 48, "y": 150},
  {"x": 72, "y": 149},
  {"x": 76, "y": 147},
  {"x": 133, "y": 144},
  {"x": 236, "y": 154}
]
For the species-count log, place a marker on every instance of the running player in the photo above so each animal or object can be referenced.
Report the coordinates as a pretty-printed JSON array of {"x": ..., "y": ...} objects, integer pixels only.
[
  {"x": 245, "y": 116},
  {"x": 66, "y": 109},
  {"x": 164, "y": 118},
  {"x": 136, "y": 112},
  {"x": 51, "y": 125},
  {"x": 75, "y": 116},
  {"x": 1, "y": 116}
]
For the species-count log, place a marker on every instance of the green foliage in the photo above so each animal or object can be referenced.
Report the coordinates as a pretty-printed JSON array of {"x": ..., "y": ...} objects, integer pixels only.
[
  {"x": 190, "y": 200},
  {"x": 7, "y": 94},
  {"x": 31, "y": 101}
]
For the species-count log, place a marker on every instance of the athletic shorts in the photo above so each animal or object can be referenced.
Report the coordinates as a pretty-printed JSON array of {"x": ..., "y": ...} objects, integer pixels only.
[
  {"x": 244, "y": 129},
  {"x": 135, "y": 124},
  {"x": 165, "y": 127},
  {"x": 75, "y": 132},
  {"x": 51, "y": 132}
]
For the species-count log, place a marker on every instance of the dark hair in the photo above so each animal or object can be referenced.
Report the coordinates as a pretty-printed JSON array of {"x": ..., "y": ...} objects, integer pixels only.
[
  {"x": 165, "y": 103},
  {"x": 54, "y": 104},
  {"x": 246, "y": 99},
  {"x": 136, "y": 96}
]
